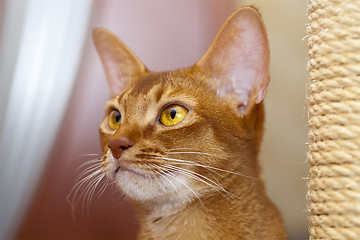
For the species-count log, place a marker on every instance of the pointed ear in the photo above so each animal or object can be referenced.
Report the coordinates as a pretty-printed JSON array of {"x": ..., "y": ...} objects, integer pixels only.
[
  {"x": 238, "y": 59},
  {"x": 120, "y": 64}
]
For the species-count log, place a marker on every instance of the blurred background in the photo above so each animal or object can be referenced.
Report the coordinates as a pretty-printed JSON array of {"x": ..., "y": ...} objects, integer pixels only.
[{"x": 53, "y": 90}]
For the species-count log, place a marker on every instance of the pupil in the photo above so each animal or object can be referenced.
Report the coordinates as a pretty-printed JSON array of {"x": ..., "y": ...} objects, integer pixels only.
[
  {"x": 117, "y": 118},
  {"x": 173, "y": 113}
]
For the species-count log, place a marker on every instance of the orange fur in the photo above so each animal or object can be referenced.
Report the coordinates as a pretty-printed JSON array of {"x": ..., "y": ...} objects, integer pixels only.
[{"x": 199, "y": 179}]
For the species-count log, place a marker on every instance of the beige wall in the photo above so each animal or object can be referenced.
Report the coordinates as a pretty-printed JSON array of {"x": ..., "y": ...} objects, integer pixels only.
[{"x": 284, "y": 149}]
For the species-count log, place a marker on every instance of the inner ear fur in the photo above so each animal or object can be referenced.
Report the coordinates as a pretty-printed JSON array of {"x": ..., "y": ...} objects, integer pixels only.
[
  {"x": 238, "y": 59},
  {"x": 121, "y": 65}
]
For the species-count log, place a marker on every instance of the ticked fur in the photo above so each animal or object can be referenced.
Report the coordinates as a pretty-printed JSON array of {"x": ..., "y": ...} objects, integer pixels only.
[{"x": 200, "y": 178}]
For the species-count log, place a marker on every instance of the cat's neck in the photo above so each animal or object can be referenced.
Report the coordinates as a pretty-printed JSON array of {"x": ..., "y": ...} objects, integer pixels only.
[
  {"x": 173, "y": 222},
  {"x": 202, "y": 218},
  {"x": 187, "y": 221}
]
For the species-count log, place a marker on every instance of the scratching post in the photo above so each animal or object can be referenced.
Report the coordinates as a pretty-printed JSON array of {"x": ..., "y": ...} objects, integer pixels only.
[{"x": 334, "y": 119}]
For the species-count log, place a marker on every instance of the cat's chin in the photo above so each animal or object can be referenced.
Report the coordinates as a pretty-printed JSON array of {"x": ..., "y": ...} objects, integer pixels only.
[{"x": 143, "y": 187}]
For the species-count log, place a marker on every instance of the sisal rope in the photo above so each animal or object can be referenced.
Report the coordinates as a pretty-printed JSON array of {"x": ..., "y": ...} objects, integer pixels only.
[{"x": 334, "y": 119}]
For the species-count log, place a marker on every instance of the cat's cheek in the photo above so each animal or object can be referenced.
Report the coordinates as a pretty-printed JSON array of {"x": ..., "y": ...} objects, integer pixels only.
[
  {"x": 109, "y": 165},
  {"x": 109, "y": 170}
]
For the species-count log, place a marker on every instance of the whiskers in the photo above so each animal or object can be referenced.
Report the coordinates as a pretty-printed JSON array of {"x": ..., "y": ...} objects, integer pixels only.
[
  {"x": 166, "y": 175},
  {"x": 90, "y": 182},
  {"x": 175, "y": 166},
  {"x": 191, "y": 163},
  {"x": 178, "y": 174}
]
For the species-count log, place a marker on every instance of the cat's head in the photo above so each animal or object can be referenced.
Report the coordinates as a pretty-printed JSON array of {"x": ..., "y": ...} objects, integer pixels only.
[{"x": 180, "y": 134}]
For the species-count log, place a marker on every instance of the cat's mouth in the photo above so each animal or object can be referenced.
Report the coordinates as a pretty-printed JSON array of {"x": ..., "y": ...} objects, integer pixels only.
[{"x": 122, "y": 169}]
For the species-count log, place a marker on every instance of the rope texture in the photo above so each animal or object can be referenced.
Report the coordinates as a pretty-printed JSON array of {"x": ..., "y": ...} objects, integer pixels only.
[{"x": 334, "y": 119}]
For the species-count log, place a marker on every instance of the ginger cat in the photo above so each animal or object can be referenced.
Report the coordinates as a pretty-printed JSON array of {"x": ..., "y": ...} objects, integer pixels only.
[{"x": 183, "y": 145}]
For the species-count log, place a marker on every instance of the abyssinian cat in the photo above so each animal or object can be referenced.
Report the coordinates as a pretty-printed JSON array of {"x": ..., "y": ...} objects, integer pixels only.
[{"x": 183, "y": 145}]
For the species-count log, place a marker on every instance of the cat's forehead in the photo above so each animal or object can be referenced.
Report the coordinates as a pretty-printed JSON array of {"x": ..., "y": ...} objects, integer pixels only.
[
  {"x": 159, "y": 88},
  {"x": 156, "y": 86},
  {"x": 145, "y": 90},
  {"x": 149, "y": 83}
]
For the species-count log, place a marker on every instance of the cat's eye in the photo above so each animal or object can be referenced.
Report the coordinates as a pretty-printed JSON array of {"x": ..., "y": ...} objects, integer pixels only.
[
  {"x": 172, "y": 115},
  {"x": 114, "y": 120}
]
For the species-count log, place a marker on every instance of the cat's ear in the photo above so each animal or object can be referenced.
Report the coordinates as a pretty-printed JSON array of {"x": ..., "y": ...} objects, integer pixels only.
[
  {"x": 238, "y": 59},
  {"x": 120, "y": 63}
]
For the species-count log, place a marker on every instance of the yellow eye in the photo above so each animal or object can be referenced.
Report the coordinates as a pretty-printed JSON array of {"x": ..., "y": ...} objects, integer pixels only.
[
  {"x": 114, "y": 119},
  {"x": 172, "y": 115}
]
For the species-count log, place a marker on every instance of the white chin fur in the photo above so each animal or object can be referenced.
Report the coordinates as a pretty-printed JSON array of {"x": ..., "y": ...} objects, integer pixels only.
[
  {"x": 171, "y": 189},
  {"x": 168, "y": 188}
]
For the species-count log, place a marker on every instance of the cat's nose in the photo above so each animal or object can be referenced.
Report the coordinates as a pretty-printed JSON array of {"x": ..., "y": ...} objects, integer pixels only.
[{"x": 119, "y": 145}]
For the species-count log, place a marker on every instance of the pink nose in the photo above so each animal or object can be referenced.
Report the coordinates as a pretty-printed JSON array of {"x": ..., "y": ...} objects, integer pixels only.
[{"x": 119, "y": 145}]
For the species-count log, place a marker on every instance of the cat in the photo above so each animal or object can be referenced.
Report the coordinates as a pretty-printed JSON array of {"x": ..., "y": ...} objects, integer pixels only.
[{"x": 183, "y": 145}]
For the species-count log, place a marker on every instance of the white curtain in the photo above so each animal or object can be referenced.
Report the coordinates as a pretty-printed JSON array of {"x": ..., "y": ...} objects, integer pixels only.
[{"x": 41, "y": 44}]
